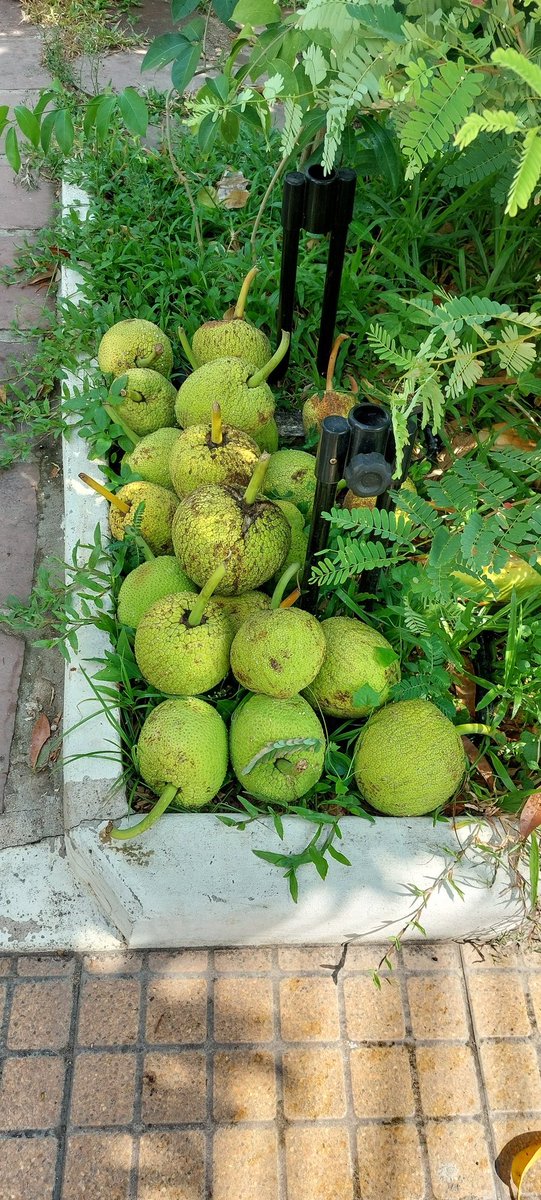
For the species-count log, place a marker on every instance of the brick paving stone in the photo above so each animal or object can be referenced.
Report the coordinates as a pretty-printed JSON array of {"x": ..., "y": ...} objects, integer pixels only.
[
  {"x": 459, "y": 1161},
  {"x": 40, "y": 1016},
  {"x": 373, "y": 1014},
  {"x": 534, "y": 988},
  {"x": 308, "y": 958},
  {"x": 11, "y": 20},
  {"x": 98, "y": 1166},
  {"x": 437, "y": 1006},
  {"x": 176, "y": 1011},
  {"x": 313, "y": 1083},
  {"x": 309, "y": 1010},
  {"x": 248, "y": 959},
  {"x": 381, "y": 1082},
  {"x": 172, "y": 1166},
  {"x": 103, "y": 1089},
  {"x": 11, "y": 665},
  {"x": 5, "y": 965},
  {"x": 18, "y": 529},
  {"x": 439, "y": 956},
  {"x": 390, "y": 1163},
  {"x": 174, "y": 1088},
  {"x": 511, "y": 1076},
  {"x": 245, "y": 1165},
  {"x": 3, "y": 993},
  {"x": 243, "y": 1010},
  {"x": 31, "y": 1093},
  {"x": 126, "y": 962},
  {"x": 25, "y": 304},
  {"x": 108, "y": 1012},
  {"x": 13, "y": 359},
  {"x": 22, "y": 208},
  {"x": 318, "y": 1163},
  {"x": 499, "y": 1004},
  {"x": 244, "y": 1086},
  {"x": 448, "y": 1081},
  {"x": 45, "y": 964},
  {"x": 27, "y": 1168},
  {"x": 178, "y": 962},
  {"x": 21, "y": 62}
]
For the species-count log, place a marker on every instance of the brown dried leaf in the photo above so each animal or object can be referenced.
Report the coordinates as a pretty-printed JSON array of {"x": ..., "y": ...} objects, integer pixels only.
[
  {"x": 54, "y": 471},
  {"x": 41, "y": 732},
  {"x": 42, "y": 279},
  {"x": 465, "y": 688},
  {"x": 232, "y": 190},
  {"x": 3, "y": 395},
  {"x": 482, "y": 764},
  {"x": 530, "y": 817}
]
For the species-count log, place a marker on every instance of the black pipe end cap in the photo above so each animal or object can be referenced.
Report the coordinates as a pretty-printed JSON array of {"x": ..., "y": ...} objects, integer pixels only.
[{"x": 368, "y": 475}]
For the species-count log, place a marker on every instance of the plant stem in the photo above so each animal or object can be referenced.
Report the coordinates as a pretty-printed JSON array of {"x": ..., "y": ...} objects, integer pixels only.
[
  {"x": 147, "y": 553},
  {"x": 291, "y": 599},
  {"x": 180, "y": 174},
  {"x": 243, "y": 294},
  {"x": 264, "y": 372},
  {"x": 113, "y": 414},
  {"x": 257, "y": 480},
  {"x": 463, "y": 730},
  {"x": 205, "y": 594},
  {"x": 103, "y": 491},
  {"x": 283, "y": 581},
  {"x": 216, "y": 424},
  {"x": 342, "y": 337},
  {"x": 147, "y": 362},
  {"x": 167, "y": 796},
  {"x": 280, "y": 168},
  {"x": 183, "y": 339}
]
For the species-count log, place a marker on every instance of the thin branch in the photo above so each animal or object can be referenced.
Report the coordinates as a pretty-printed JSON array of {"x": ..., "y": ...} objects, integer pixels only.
[
  {"x": 180, "y": 174},
  {"x": 278, "y": 172}
]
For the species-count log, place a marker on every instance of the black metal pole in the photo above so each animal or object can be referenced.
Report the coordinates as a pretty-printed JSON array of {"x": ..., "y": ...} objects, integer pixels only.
[
  {"x": 330, "y": 462},
  {"x": 292, "y": 219},
  {"x": 345, "y": 197}
]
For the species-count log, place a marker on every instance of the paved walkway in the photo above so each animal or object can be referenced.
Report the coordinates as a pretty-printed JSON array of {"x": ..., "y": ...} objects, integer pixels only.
[{"x": 251, "y": 1075}]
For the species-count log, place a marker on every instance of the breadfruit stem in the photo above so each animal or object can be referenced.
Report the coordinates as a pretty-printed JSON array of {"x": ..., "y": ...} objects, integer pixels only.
[
  {"x": 243, "y": 294},
  {"x": 283, "y": 581},
  {"x": 342, "y": 337},
  {"x": 205, "y": 594},
  {"x": 166, "y": 798},
  {"x": 264, "y": 372},
  {"x": 148, "y": 359},
  {"x": 113, "y": 414},
  {"x": 291, "y": 599},
  {"x": 353, "y": 385},
  {"x": 216, "y": 424},
  {"x": 147, "y": 553},
  {"x": 257, "y": 480},
  {"x": 464, "y": 730},
  {"x": 103, "y": 491},
  {"x": 183, "y": 339}
]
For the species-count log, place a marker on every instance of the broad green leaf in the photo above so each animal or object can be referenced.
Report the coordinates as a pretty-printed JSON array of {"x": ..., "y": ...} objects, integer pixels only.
[
  {"x": 13, "y": 153},
  {"x": 185, "y": 66},
  {"x": 534, "y": 869},
  {"x": 4, "y": 109},
  {"x": 256, "y": 12},
  {"x": 290, "y": 84},
  {"x": 45, "y": 99},
  {"x": 104, "y": 113},
  {"x": 224, "y": 9},
  {"x": 28, "y": 123},
  {"x": 229, "y": 127},
  {"x": 134, "y": 111},
  {"x": 182, "y": 8},
  {"x": 64, "y": 131},
  {"x": 163, "y": 50},
  {"x": 47, "y": 126},
  {"x": 207, "y": 132}
]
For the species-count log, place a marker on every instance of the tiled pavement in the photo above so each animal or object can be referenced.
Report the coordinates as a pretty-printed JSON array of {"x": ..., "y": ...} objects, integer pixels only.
[{"x": 253, "y": 1075}]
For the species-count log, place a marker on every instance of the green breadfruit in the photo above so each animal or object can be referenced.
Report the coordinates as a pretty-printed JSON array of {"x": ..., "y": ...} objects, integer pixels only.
[
  {"x": 266, "y": 766},
  {"x": 135, "y": 343},
  {"x": 176, "y": 657},
  {"x": 357, "y": 657},
  {"x": 148, "y": 401},
  {"x": 291, "y": 476},
  {"x": 147, "y": 583},
  {"x": 217, "y": 523},
  {"x": 156, "y": 516},
  {"x": 279, "y": 652},
  {"x": 233, "y": 336},
  {"x": 299, "y": 537},
  {"x": 267, "y": 437},
  {"x": 240, "y": 608},
  {"x": 184, "y": 742},
  {"x": 226, "y": 380},
  {"x": 151, "y": 457},
  {"x": 409, "y": 759},
  {"x": 198, "y": 460}
]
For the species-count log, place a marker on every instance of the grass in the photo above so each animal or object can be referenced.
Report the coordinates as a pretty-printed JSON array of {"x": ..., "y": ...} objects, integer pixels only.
[{"x": 72, "y": 28}]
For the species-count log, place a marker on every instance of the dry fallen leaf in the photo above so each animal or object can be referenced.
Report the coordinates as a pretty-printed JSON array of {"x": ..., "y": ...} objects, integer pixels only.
[
  {"x": 54, "y": 471},
  {"x": 44, "y": 278},
  {"x": 232, "y": 190},
  {"x": 530, "y": 817},
  {"x": 522, "y": 1164},
  {"x": 3, "y": 395},
  {"x": 41, "y": 733}
]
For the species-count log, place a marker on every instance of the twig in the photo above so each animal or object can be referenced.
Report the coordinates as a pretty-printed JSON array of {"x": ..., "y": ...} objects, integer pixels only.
[
  {"x": 180, "y": 174},
  {"x": 516, "y": 29},
  {"x": 280, "y": 168}
]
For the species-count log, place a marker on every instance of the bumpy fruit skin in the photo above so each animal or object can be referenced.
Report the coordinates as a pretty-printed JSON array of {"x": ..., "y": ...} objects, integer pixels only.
[
  {"x": 291, "y": 475},
  {"x": 135, "y": 343},
  {"x": 408, "y": 759},
  {"x": 151, "y": 457},
  {"x": 351, "y": 661},
  {"x": 267, "y": 437},
  {"x": 299, "y": 537},
  {"x": 177, "y": 658},
  {"x": 240, "y": 608},
  {"x": 157, "y": 518},
  {"x": 225, "y": 380},
  {"x": 148, "y": 583},
  {"x": 149, "y": 403},
  {"x": 330, "y": 404},
  {"x": 236, "y": 338},
  {"x": 214, "y": 523},
  {"x": 184, "y": 742},
  {"x": 278, "y": 653},
  {"x": 260, "y": 721},
  {"x": 196, "y": 459}
]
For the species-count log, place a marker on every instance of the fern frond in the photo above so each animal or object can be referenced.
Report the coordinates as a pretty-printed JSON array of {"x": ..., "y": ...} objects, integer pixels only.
[
  {"x": 487, "y": 121},
  {"x": 381, "y": 21},
  {"x": 358, "y": 78},
  {"x": 471, "y": 310},
  {"x": 386, "y": 348},
  {"x": 280, "y": 749},
  {"x": 466, "y": 371},
  {"x": 526, "y": 70},
  {"x": 327, "y": 15},
  {"x": 315, "y": 65},
  {"x": 440, "y": 110},
  {"x": 514, "y": 354},
  {"x": 348, "y": 559},
  {"x": 292, "y": 127},
  {"x": 390, "y": 526},
  {"x": 528, "y": 173},
  {"x": 422, "y": 514},
  {"x": 488, "y": 156}
]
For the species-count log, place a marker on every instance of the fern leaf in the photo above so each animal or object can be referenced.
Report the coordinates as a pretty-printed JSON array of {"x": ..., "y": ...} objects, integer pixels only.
[
  {"x": 440, "y": 110},
  {"x": 390, "y": 526},
  {"x": 528, "y": 172},
  {"x": 386, "y": 348},
  {"x": 358, "y": 78},
  {"x": 328, "y": 15},
  {"x": 466, "y": 371},
  {"x": 528, "y": 71},
  {"x": 487, "y": 157},
  {"x": 381, "y": 21},
  {"x": 292, "y": 127},
  {"x": 514, "y": 354},
  {"x": 487, "y": 121},
  {"x": 280, "y": 749},
  {"x": 315, "y": 65}
]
